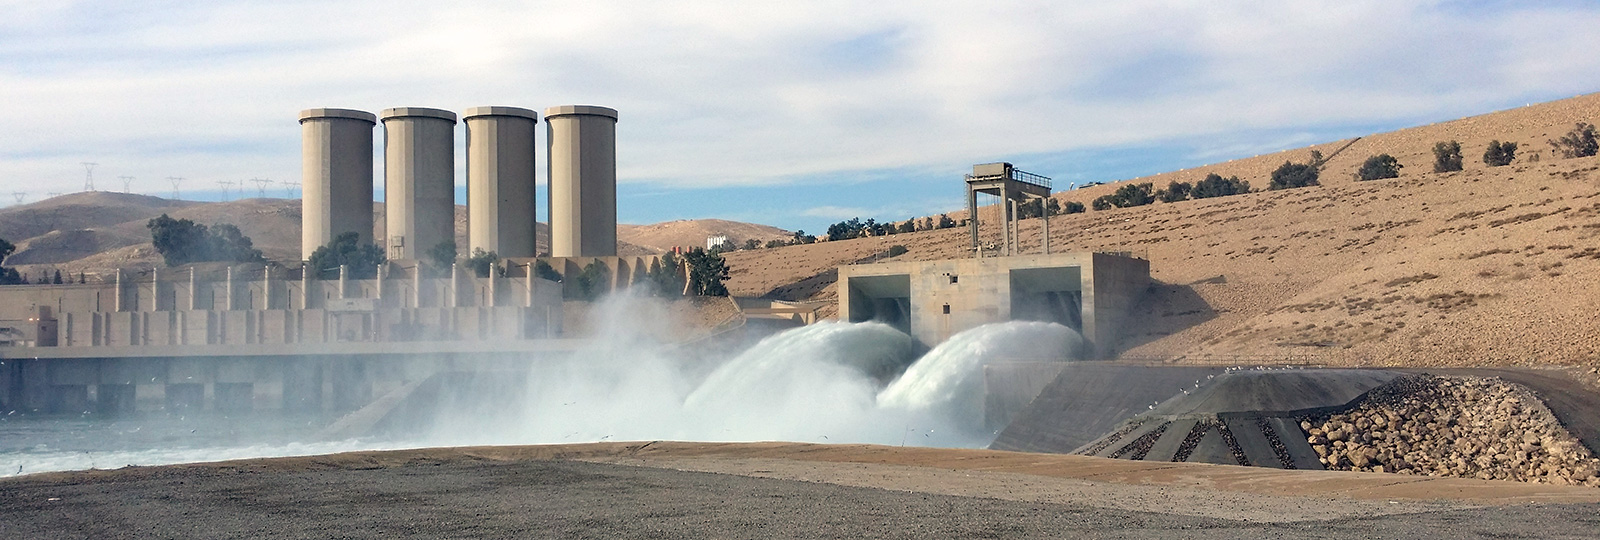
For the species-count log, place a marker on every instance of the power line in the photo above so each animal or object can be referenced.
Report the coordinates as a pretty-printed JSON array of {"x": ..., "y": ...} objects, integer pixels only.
[
  {"x": 289, "y": 187},
  {"x": 127, "y": 184},
  {"x": 261, "y": 186},
  {"x": 19, "y": 196},
  {"x": 225, "y": 185},
  {"x": 88, "y": 175},
  {"x": 176, "y": 180}
]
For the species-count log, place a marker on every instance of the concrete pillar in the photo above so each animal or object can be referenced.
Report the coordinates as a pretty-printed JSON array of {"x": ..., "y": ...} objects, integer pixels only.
[
  {"x": 455, "y": 285},
  {"x": 344, "y": 281},
  {"x": 119, "y": 290},
  {"x": 305, "y": 287},
  {"x": 155, "y": 289},
  {"x": 351, "y": 387},
  {"x": 530, "y": 278},
  {"x": 1044, "y": 209},
  {"x": 582, "y": 156},
  {"x": 1013, "y": 244},
  {"x": 972, "y": 221},
  {"x": 416, "y": 285},
  {"x": 228, "y": 292},
  {"x": 336, "y": 176},
  {"x": 194, "y": 299},
  {"x": 494, "y": 281},
  {"x": 383, "y": 272},
  {"x": 501, "y": 194},
  {"x": 419, "y": 179}
]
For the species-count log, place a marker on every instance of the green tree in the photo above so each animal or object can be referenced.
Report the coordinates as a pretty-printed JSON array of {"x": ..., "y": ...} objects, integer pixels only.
[
  {"x": 666, "y": 277},
  {"x": 1176, "y": 191},
  {"x": 706, "y": 272},
  {"x": 346, "y": 250},
  {"x": 57, "y": 279},
  {"x": 1052, "y": 207},
  {"x": 1127, "y": 196},
  {"x": 593, "y": 281},
  {"x": 442, "y": 255},
  {"x": 944, "y": 222},
  {"x": 543, "y": 270},
  {"x": 1294, "y": 175},
  {"x": 1378, "y": 167},
  {"x": 752, "y": 244},
  {"x": 1500, "y": 154},
  {"x": 182, "y": 241},
  {"x": 1580, "y": 142},
  {"x": 481, "y": 262},
  {"x": 776, "y": 243},
  {"x": 1214, "y": 185},
  {"x": 800, "y": 237},
  {"x": 1073, "y": 207},
  {"x": 1446, "y": 157},
  {"x": 8, "y": 276}
]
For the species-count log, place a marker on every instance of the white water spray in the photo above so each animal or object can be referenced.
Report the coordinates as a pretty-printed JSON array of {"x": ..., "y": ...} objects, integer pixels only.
[{"x": 819, "y": 383}]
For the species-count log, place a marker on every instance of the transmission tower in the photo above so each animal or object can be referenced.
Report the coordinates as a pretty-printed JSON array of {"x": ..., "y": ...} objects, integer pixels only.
[
  {"x": 88, "y": 175},
  {"x": 54, "y": 194},
  {"x": 226, "y": 185},
  {"x": 127, "y": 184},
  {"x": 289, "y": 187},
  {"x": 176, "y": 180},
  {"x": 261, "y": 186},
  {"x": 19, "y": 196}
]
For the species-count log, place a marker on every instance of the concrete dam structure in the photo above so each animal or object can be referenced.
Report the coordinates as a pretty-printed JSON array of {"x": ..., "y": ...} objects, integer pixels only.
[{"x": 336, "y": 175}]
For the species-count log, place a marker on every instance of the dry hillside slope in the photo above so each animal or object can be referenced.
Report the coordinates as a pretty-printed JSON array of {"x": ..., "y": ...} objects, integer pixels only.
[
  {"x": 100, "y": 231},
  {"x": 1484, "y": 266}
]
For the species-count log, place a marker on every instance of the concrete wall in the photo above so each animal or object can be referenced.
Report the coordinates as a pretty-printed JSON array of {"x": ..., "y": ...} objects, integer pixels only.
[
  {"x": 582, "y": 154},
  {"x": 949, "y": 296},
  {"x": 419, "y": 179},
  {"x": 501, "y": 198},
  {"x": 336, "y": 172}
]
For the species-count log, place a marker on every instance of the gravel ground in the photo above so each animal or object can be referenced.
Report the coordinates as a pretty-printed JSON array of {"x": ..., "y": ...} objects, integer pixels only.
[{"x": 565, "y": 499}]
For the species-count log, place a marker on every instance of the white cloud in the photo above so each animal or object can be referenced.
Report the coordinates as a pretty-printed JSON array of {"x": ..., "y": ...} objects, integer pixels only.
[{"x": 719, "y": 92}]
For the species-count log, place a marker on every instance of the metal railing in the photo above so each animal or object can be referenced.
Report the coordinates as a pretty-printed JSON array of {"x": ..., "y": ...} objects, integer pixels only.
[{"x": 1030, "y": 178}]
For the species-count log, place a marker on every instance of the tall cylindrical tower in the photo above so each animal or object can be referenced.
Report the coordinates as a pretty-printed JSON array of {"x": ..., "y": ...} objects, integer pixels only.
[
  {"x": 419, "y": 191},
  {"x": 500, "y": 180},
  {"x": 336, "y": 176},
  {"x": 582, "y": 151}
]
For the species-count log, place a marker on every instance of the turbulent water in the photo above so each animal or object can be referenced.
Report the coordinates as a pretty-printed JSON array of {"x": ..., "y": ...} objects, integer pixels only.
[{"x": 829, "y": 382}]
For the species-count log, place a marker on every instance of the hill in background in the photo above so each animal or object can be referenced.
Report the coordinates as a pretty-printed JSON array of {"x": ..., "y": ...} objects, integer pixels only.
[
  {"x": 101, "y": 231},
  {"x": 1484, "y": 266}
]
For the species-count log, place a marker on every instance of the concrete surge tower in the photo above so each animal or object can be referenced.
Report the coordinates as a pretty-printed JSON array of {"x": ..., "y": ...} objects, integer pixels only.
[
  {"x": 501, "y": 190},
  {"x": 336, "y": 175},
  {"x": 582, "y": 153},
  {"x": 419, "y": 179}
]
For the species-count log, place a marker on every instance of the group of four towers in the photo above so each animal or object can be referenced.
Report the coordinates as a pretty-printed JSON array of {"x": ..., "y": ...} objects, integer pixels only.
[{"x": 419, "y": 179}]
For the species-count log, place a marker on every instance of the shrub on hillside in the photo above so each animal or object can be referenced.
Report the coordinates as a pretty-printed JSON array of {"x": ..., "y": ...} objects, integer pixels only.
[
  {"x": 1500, "y": 153},
  {"x": 1127, "y": 196},
  {"x": 1379, "y": 167},
  {"x": 897, "y": 250},
  {"x": 1294, "y": 175},
  {"x": 1580, "y": 142},
  {"x": 182, "y": 241},
  {"x": 1447, "y": 156},
  {"x": 1073, "y": 207},
  {"x": 1176, "y": 191},
  {"x": 1215, "y": 185}
]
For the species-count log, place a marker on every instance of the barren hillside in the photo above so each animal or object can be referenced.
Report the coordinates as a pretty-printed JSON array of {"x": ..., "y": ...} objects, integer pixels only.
[
  {"x": 1484, "y": 266},
  {"x": 99, "y": 231}
]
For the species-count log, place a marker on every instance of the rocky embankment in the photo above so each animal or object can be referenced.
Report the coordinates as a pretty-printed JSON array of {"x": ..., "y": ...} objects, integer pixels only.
[{"x": 1454, "y": 426}]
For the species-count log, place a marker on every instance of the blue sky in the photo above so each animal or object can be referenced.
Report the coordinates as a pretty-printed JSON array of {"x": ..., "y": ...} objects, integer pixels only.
[{"x": 794, "y": 114}]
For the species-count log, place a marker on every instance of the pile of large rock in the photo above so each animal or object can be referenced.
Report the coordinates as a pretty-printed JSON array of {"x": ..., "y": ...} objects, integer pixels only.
[{"x": 1453, "y": 426}]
